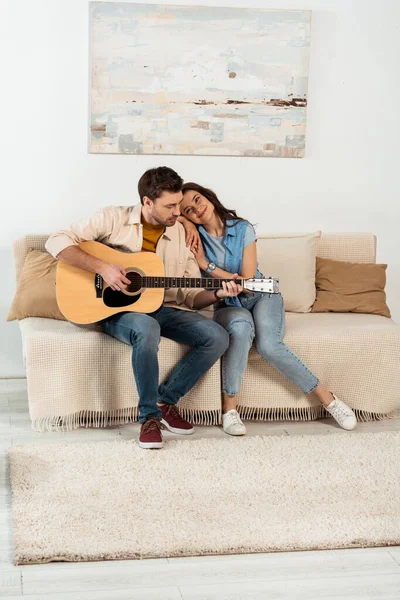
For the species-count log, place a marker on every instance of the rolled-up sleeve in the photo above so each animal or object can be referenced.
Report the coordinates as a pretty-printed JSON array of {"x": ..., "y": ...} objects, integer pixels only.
[{"x": 95, "y": 227}]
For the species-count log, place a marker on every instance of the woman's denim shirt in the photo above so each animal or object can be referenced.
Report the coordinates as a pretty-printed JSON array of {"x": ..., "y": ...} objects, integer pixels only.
[{"x": 234, "y": 243}]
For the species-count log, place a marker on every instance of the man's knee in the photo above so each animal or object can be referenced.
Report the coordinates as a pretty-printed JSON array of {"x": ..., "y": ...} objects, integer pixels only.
[
  {"x": 147, "y": 330},
  {"x": 140, "y": 328},
  {"x": 217, "y": 337}
]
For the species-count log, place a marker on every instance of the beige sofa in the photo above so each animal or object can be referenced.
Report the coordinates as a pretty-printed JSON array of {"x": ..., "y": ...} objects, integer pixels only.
[{"x": 79, "y": 377}]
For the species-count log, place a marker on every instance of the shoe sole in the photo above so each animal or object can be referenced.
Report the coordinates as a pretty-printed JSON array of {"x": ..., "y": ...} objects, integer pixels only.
[
  {"x": 151, "y": 445},
  {"x": 348, "y": 428},
  {"x": 176, "y": 430},
  {"x": 342, "y": 426}
]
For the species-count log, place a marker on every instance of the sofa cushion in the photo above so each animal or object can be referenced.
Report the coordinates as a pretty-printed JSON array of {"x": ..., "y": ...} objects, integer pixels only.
[
  {"x": 339, "y": 349},
  {"x": 291, "y": 258},
  {"x": 350, "y": 287},
  {"x": 76, "y": 373},
  {"x": 36, "y": 288}
]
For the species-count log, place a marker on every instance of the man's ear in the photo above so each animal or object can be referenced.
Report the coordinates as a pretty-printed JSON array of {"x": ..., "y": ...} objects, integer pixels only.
[{"x": 147, "y": 202}]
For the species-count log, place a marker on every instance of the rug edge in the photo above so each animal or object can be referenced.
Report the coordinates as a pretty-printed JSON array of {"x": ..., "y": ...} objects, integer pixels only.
[{"x": 321, "y": 547}]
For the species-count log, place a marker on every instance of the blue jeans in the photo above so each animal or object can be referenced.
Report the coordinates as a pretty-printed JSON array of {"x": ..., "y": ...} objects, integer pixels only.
[
  {"x": 142, "y": 332},
  {"x": 262, "y": 318}
]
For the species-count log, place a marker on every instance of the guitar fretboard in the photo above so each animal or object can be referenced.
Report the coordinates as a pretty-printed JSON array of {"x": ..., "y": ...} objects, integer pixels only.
[{"x": 184, "y": 282}]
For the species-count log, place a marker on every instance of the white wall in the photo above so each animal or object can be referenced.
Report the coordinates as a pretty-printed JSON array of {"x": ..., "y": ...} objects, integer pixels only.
[{"x": 347, "y": 182}]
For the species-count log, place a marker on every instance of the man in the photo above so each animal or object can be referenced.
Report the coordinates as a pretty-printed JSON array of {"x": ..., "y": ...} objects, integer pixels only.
[{"x": 152, "y": 226}]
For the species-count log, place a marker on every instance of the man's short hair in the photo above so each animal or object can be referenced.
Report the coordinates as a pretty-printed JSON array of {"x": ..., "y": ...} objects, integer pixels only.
[{"x": 156, "y": 181}]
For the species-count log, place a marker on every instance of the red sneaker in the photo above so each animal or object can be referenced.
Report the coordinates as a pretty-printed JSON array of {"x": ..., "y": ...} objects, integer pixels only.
[
  {"x": 150, "y": 434},
  {"x": 173, "y": 421}
]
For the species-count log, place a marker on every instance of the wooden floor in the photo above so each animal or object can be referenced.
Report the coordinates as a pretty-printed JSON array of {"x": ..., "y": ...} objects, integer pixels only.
[{"x": 363, "y": 574}]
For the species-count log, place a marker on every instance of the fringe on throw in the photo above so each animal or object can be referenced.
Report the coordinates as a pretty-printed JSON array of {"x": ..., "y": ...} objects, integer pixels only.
[
  {"x": 86, "y": 418},
  {"x": 202, "y": 417},
  {"x": 91, "y": 418},
  {"x": 304, "y": 413},
  {"x": 363, "y": 415}
]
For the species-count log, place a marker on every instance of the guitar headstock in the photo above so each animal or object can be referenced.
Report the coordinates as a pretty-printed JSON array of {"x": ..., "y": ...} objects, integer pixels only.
[{"x": 269, "y": 285}]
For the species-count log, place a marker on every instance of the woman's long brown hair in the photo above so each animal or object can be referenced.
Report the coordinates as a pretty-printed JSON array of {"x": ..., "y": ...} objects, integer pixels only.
[{"x": 224, "y": 214}]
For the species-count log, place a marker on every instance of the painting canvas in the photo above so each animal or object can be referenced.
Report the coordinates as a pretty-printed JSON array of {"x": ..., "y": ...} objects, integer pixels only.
[{"x": 195, "y": 80}]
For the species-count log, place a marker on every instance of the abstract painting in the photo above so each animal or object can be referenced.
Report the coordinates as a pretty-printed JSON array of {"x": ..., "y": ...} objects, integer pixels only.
[{"x": 195, "y": 80}]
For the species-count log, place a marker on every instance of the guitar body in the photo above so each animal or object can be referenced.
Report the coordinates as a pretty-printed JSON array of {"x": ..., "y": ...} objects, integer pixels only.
[
  {"x": 84, "y": 297},
  {"x": 80, "y": 301}
]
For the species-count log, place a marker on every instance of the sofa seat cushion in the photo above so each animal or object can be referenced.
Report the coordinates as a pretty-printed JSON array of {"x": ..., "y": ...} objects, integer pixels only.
[
  {"x": 74, "y": 371},
  {"x": 354, "y": 355}
]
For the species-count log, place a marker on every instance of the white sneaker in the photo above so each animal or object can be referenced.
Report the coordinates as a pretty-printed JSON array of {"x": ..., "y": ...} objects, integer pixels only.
[
  {"x": 232, "y": 423},
  {"x": 342, "y": 413}
]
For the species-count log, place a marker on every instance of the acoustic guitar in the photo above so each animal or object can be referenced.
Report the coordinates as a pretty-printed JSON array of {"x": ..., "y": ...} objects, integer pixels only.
[{"x": 84, "y": 297}]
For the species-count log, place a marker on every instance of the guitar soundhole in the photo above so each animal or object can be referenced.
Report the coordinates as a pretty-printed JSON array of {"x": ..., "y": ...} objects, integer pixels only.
[
  {"x": 131, "y": 295},
  {"x": 135, "y": 282}
]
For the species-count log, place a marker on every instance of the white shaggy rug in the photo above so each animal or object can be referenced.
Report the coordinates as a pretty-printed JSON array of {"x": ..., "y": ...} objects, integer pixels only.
[{"x": 113, "y": 500}]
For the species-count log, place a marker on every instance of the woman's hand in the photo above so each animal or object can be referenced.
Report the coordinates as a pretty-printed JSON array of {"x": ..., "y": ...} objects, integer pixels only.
[
  {"x": 200, "y": 256},
  {"x": 229, "y": 289},
  {"x": 193, "y": 238},
  {"x": 192, "y": 234}
]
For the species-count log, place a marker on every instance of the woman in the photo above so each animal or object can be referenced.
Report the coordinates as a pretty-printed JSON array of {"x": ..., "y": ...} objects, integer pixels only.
[{"x": 227, "y": 247}]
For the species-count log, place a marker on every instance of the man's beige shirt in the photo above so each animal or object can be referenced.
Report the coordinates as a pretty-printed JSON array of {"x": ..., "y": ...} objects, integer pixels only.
[{"x": 120, "y": 228}]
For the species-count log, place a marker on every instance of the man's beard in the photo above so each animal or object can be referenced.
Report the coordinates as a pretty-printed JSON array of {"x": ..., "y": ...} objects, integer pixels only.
[{"x": 157, "y": 218}]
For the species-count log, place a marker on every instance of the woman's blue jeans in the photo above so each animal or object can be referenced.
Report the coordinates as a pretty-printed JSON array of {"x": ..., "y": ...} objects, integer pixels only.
[
  {"x": 208, "y": 340},
  {"x": 262, "y": 317}
]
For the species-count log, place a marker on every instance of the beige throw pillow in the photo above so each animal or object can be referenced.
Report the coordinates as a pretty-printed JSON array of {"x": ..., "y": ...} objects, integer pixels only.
[
  {"x": 291, "y": 258},
  {"x": 36, "y": 290}
]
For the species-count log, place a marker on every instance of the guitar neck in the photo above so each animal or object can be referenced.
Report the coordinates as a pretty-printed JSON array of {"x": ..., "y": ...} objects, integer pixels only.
[{"x": 185, "y": 282}]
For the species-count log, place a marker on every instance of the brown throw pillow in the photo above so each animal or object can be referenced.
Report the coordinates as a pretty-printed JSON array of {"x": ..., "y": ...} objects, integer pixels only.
[
  {"x": 36, "y": 289},
  {"x": 350, "y": 287}
]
